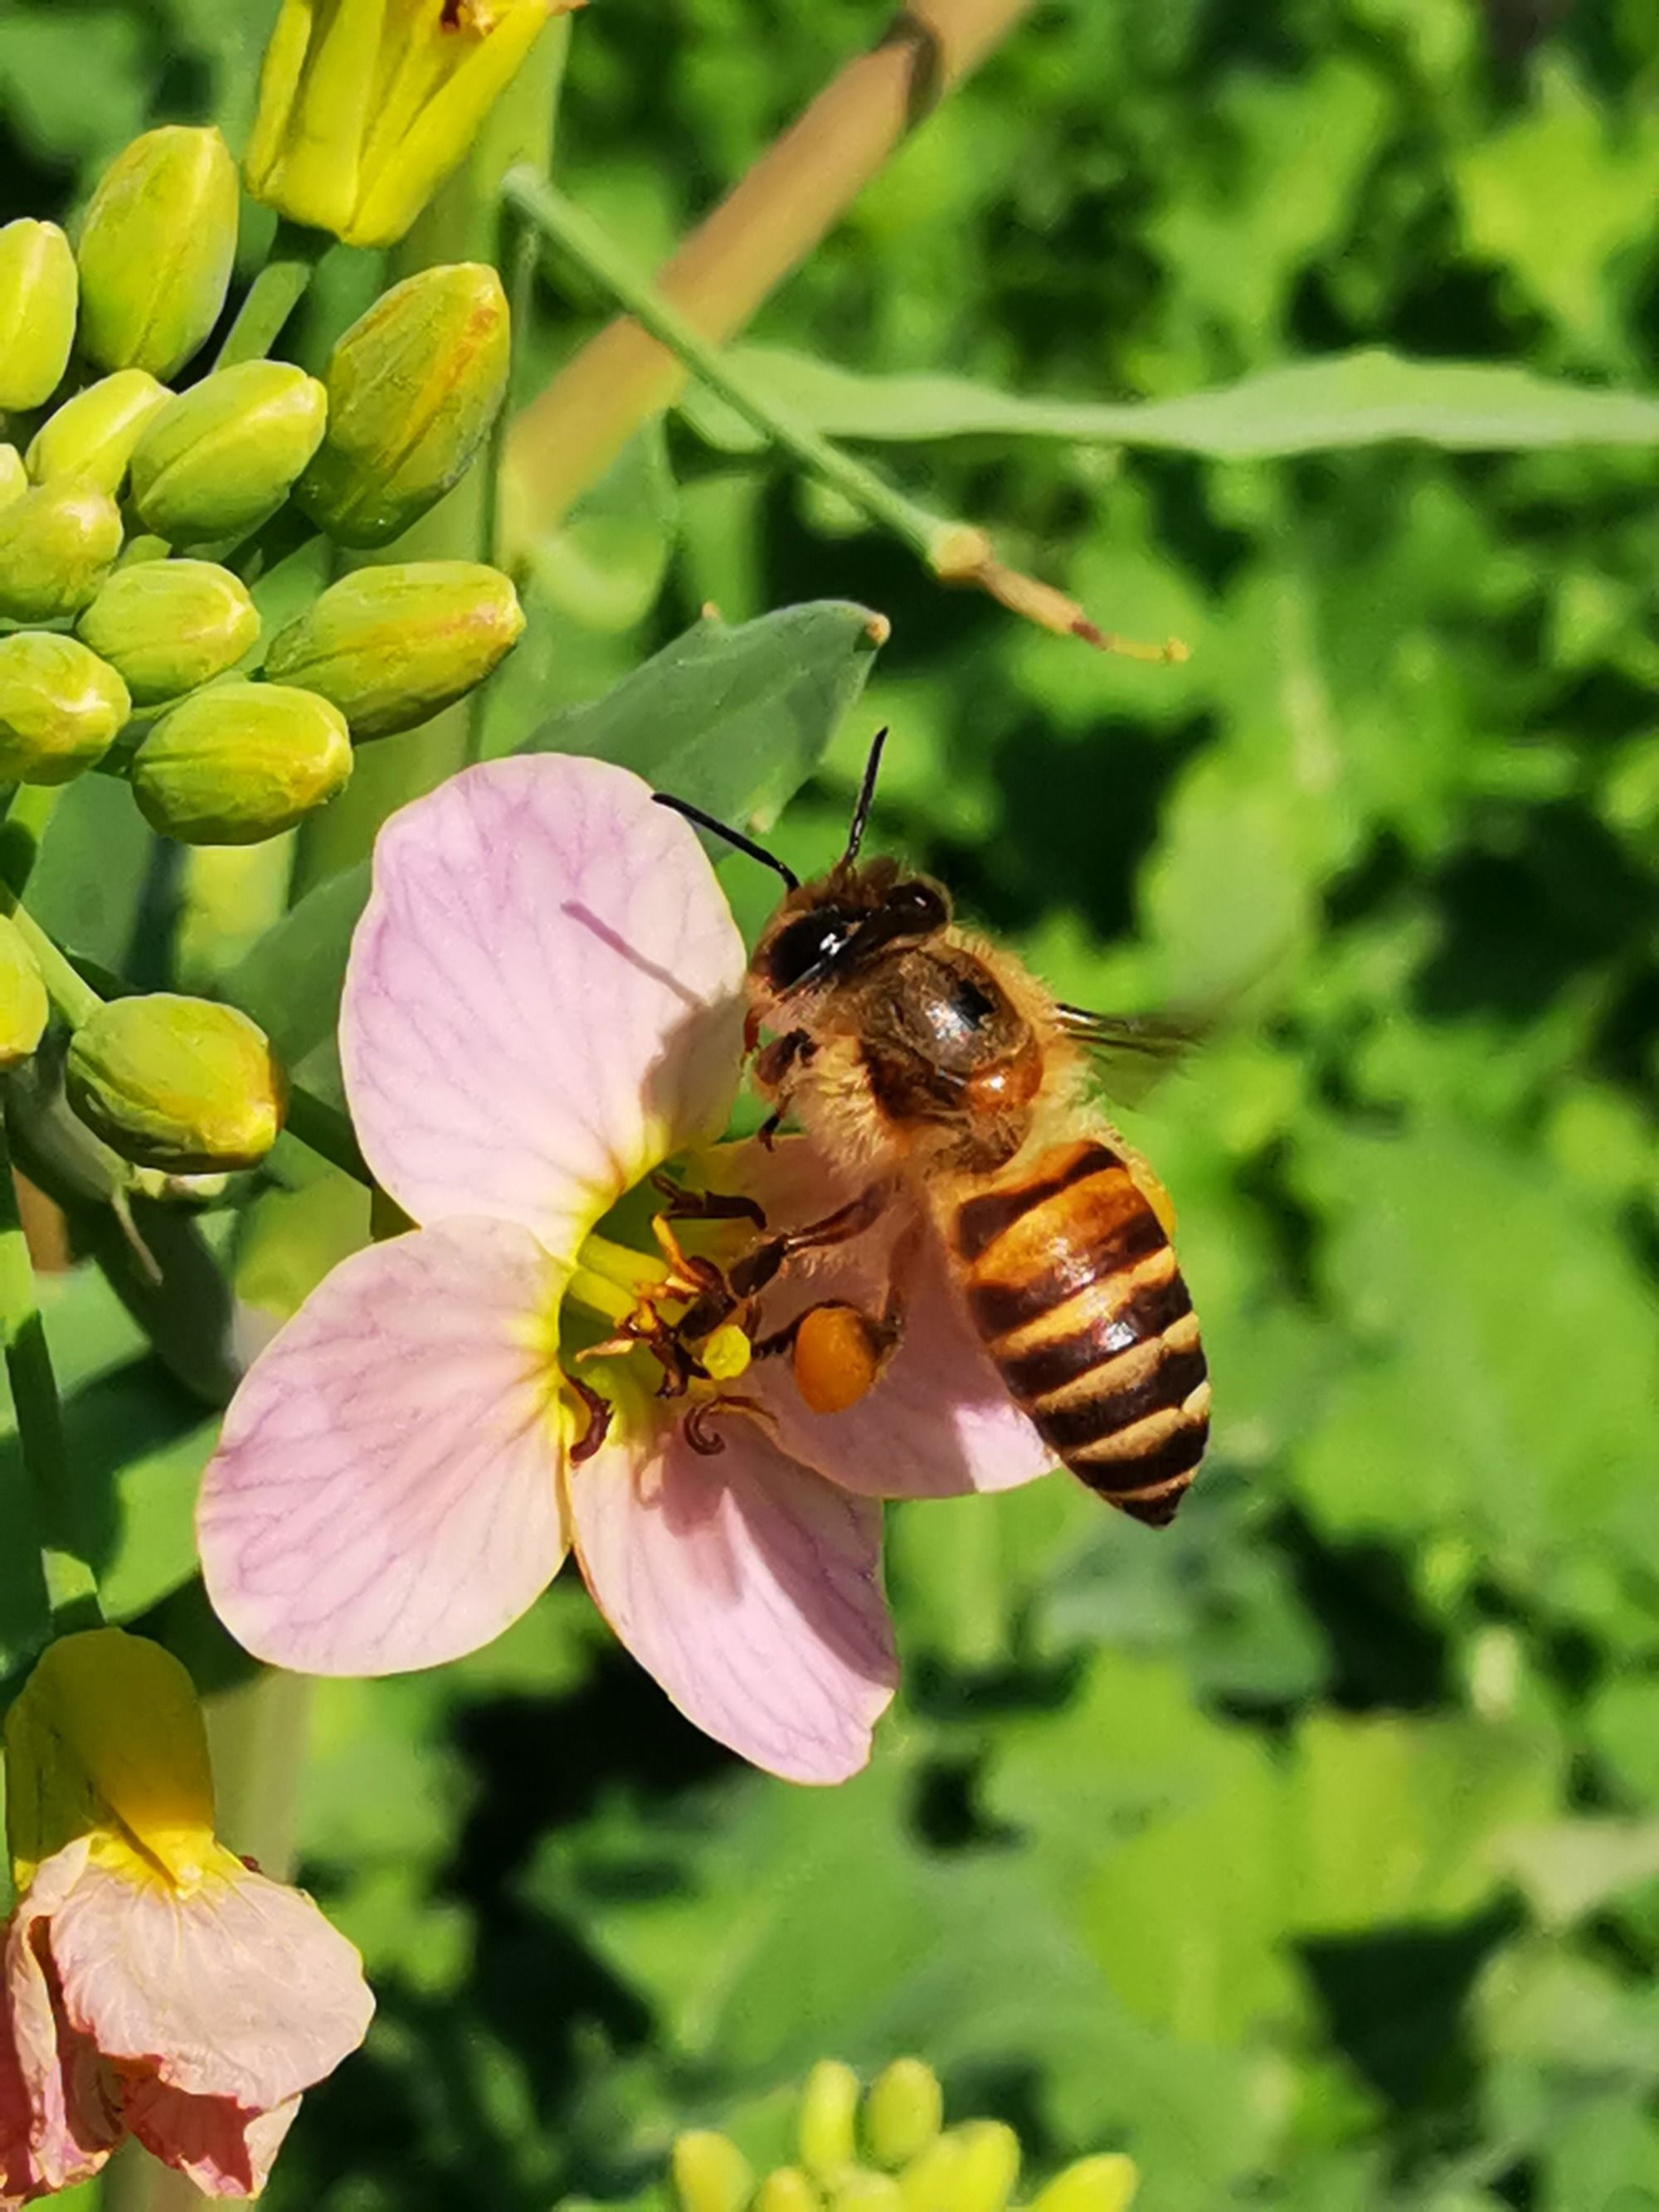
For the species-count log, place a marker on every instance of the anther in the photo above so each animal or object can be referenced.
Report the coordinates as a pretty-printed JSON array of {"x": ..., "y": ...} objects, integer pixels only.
[{"x": 599, "y": 1411}]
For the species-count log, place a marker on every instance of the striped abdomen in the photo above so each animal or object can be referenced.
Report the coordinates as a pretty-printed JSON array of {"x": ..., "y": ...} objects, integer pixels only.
[{"x": 1072, "y": 1282}]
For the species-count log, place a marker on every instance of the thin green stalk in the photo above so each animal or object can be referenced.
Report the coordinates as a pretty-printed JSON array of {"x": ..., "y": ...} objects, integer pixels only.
[
  {"x": 565, "y": 224},
  {"x": 274, "y": 294},
  {"x": 24, "y": 826},
  {"x": 68, "y": 991},
  {"x": 327, "y": 1132},
  {"x": 520, "y": 251},
  {"x": 71, "y": 1584}
]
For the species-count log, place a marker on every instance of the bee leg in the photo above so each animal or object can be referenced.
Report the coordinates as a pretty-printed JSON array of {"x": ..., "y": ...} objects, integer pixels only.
[
  {"x": 756, "y": 1268},
  {"x": 597, "y": 1409},
  {"x": 704, "y": 1205},
  {"x": 840, "y": 1352}
]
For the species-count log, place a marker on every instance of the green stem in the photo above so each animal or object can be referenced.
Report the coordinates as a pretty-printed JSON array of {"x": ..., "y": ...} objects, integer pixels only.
[
  {"x": 72, "y": 995},
  {"x": 71, "y": 1585},
  {"x": 559, "y": 220},
  {"x": 25, "y": 825},
  {"x": 274, "y": 294}
]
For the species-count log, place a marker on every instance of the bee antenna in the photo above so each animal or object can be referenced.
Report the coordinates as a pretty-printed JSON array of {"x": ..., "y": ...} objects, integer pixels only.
[
  {"x": 867, "y": 795},
  {"x": 731, "y": 836}
]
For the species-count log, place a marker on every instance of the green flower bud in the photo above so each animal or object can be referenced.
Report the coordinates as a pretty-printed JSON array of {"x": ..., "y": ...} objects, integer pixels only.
[
  {"x": 904, "y": 2112},
  {"x": 37, "y": 312},
  {"x": 413, "y": 387},
  {"x": 972, "y": 2169},
  {"x": 239, "y": 763},
  {"x": 170, "y": 625},
  {"x": 788, "y": 2190},
  {"x": 156, "y": 250},
  {"x": 710, "y": 2174},
  {"x": 365, "y": 109},
  {"x": 93, "y": 435},
  {"x": 1106, "y": 2184},
  {"x": 60, "y": 707},
  {"x": 13, "y": 476},
  {"x": 218, "y": 460},
  {"x": 825, "y": 2127},
  {"x": 867, "y": 2192},
  {"x": 178, "y": 1084},
  {"x": 57, "y": 545},
  {"x": 392, "y": 646},
  {"x": 23, "y": 1004}
]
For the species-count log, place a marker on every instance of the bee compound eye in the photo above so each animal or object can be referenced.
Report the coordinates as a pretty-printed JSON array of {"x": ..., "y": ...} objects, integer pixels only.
[{"x": 806, "y": 944}]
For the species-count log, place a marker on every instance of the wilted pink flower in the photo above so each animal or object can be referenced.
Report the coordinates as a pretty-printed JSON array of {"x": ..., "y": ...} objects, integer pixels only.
[
  {"x": 155, "y": 1984},
  {"x": 542, "y": 1006}
]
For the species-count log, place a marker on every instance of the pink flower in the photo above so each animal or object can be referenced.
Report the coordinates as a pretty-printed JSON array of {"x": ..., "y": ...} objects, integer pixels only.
[
  {"x": 154, "y": 1983},
  {"x": 544, "y": 1005}
]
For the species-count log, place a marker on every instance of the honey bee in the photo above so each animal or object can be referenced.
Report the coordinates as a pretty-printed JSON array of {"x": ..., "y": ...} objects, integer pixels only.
[{"x": 941, "y": 1073}]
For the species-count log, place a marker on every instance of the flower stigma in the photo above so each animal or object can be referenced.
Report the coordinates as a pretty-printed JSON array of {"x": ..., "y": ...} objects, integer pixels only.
[{"x": 683, "y": 1310}]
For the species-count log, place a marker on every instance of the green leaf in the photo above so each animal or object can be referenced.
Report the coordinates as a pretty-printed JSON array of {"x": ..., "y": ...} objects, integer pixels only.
[
  {"x": 1573, "y": 1868},
  {"x": 735, "y": 719},
  {"x": 1362, "y": 399}
]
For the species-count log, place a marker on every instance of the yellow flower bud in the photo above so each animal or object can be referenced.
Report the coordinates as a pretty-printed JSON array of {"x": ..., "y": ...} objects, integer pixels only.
[
  {"x": 826, "y": 2124},
  {"x": 93, "y": 435},
  {"x": 37, "y": 312},
  {"x": 788, "y": 2190},
  {"x": 1106, "y": 2184},
  {"x": 23, "y": 1003},
  {"x": 175, "y": 1083},
  {"x": 710, "y": 2173},
  {"x": 57, "y": 545},
  {"x": 392, "y": 646},
  {"x": 168, "y": 626},
  {"x": 413, "y": 388},
  {"x": 239, "y": 762},
  {"x": 155, "y": 250},
  {"x": 61, "y": 708},
  {"x": 971, "y": 2169},
  {"x": 105, "y": 1740},
  {"x": 218, "y": 460},
  {"x": 904, "y": 2112},
  {"x": 867, "y": 2192},
  {"x": 13, "y": 476},
  {"x": 365, "y": 106}
]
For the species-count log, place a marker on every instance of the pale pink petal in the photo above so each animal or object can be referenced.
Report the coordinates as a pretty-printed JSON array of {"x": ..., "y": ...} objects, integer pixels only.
[
  {"x": 940, "y": 1420},
  {"x": 751, "y": 1591},
  {"x": 385, "y": 1493},
  {"x": 238, "y": 1989},
  {"x": 226, "y": 2150},
  {"x": 70, "y": 2095},
  {"x": 543, "y": 997}
]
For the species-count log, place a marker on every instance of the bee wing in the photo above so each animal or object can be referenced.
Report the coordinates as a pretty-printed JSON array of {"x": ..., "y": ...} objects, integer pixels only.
[{"x": 1133, "y": 1053}]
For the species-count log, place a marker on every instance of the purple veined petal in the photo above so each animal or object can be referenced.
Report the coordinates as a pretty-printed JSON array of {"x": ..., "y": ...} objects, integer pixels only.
[
  {"x": 385, "y": 1494},
  {"x": 750, "y": 1589},
  {"x": 238, "y": 1989},
  {"x": 543, "y": 998},
  {"x": 226, "y": 2150},
  {"x": 941, "y": 1422}
]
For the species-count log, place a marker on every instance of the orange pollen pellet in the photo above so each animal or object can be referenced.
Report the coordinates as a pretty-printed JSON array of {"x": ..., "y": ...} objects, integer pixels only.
[{"x": 838, "y": 1358}]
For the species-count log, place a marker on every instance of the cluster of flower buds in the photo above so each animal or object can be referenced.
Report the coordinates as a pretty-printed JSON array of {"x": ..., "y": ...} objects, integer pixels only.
[
  {"x": 887, "y": 2151},
  {"x": 118, "y": 512}
]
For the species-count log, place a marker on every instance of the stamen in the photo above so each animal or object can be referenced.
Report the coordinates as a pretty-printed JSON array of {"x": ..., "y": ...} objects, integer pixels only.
[{"x": 599, "y": 1411}]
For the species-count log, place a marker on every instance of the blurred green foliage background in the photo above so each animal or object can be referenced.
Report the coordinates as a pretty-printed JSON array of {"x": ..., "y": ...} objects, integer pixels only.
[{"x": 1308, "y": 1851}]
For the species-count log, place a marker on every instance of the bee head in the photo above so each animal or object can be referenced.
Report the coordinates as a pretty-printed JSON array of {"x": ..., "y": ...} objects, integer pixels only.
[{"x": 828, "y": 931}]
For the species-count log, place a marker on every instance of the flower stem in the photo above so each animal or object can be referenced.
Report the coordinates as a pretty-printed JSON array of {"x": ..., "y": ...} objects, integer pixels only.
[
  {"x": 576, "y": 234},
  {"x": 568, "y": 436},
  {"x": 274, "y": 294},
  {"x": 71, "y": 1584},
  {"x": 68, "y": 991}
]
